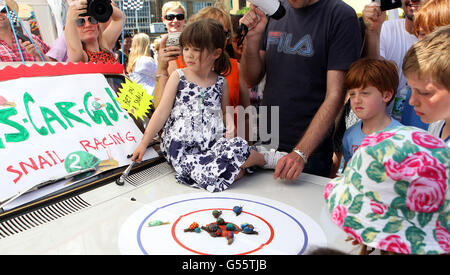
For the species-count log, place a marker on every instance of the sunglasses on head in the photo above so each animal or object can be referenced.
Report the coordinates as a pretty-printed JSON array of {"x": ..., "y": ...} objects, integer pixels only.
[
  {"x": 81, "y": 21},
  {"x": 170, "y": 17}
]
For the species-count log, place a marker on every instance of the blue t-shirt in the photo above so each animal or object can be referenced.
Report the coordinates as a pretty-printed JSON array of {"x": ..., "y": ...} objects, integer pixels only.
[
  {"x": 353, "y": 137},
  {"x": 300, "y": 48}
]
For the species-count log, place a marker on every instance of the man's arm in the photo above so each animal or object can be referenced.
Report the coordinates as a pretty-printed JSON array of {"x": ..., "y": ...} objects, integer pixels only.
[
  {"x": 292, "y": 165},
  {"x": 253, "y": 59}
]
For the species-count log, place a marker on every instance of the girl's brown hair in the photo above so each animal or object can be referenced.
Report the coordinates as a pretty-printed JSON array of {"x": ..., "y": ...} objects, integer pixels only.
[
  {"x": 381, "y": 74},
  {"x": 207, "y": 34}
]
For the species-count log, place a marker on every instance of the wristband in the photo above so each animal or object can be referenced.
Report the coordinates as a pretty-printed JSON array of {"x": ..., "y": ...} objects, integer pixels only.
[
  {"x": 301, "y": 154},
  {"x": 159, "y": 75}
]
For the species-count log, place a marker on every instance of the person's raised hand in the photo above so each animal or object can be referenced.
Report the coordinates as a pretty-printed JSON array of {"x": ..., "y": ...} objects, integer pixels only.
[
  {"x": 373, "y": 17},
  {"x": 256, "y": 21},
  {"x": 76, "y": 7},
  {"x": 166, "y": 54}
]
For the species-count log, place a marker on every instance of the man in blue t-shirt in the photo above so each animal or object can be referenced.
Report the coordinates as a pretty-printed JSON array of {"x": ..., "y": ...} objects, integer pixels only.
[{"x": 304, "y": 56}]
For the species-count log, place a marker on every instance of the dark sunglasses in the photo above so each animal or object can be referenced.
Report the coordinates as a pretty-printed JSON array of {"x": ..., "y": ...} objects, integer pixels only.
[
  {"x": 3, "y": 10},
  {"x": 227, "y": 35},
  {"x": 81, "y": 22},
  {"x": 170, "y": 17}
]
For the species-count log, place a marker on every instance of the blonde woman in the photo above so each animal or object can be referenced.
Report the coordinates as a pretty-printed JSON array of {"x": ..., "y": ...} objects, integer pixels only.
[
  {"x": 86, "y": 42},
  {"x": 173, "y": 16},
  {"x": 141, "y": 66}
]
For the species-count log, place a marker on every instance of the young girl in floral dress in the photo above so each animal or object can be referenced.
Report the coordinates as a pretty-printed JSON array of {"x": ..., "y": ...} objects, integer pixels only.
[{"x": 194, "y": 140}]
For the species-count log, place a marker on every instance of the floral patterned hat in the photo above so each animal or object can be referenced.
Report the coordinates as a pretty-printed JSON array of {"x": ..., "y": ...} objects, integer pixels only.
[{"x": 394, "y": 194}]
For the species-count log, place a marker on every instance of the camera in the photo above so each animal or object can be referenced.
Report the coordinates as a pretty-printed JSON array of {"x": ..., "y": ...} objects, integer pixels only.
[
  {"x": 388, "y": 4},
  {"x": 99, "y": 9},
  {"x": 173, "y": 39}
]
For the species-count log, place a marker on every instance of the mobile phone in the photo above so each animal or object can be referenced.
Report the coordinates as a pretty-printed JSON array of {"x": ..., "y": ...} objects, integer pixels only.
[
  {"x": 388, "y": 4},
  {"x": 20, "y": 35},
  {"x": 173, "y": 39}
]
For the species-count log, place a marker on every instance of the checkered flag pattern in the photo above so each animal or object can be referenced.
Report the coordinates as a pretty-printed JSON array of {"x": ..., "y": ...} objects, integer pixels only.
[
  {"x": 133, "y": 4},
  {"x": 14, "y": 18}
]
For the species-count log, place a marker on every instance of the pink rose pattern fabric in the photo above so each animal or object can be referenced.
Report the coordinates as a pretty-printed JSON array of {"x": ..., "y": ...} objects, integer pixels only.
[
  {"x": 395, "y": 244},
  {"x": 417, "y": 219},
  {"x": 443, "y": 237},
  {"x": 428, "y": 186},
  {"x": 372, "y": 140},
  {"x": 426, "y": 140}
]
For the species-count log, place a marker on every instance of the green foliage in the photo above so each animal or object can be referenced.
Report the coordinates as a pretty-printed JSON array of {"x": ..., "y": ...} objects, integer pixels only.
[{"x": 243, "y": 10}]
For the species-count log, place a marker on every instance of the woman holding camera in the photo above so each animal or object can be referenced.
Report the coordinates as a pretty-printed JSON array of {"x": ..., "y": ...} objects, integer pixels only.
[{"x": 86, "y": 40}]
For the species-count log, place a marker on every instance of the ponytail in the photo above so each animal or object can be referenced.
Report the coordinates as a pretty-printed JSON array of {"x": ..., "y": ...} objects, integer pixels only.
[{"x": 222, "y": 65}]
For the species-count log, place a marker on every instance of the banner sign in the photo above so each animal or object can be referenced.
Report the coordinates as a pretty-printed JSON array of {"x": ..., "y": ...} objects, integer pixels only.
[{"x": 52, "y": 126}]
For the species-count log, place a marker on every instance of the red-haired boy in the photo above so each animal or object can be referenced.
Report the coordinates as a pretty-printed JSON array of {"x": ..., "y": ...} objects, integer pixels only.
[{"x": 371, "y": 86}]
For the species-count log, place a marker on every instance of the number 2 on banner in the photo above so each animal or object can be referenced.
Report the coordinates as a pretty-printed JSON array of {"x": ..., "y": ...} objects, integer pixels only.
[{"x": 76, "y": 160}]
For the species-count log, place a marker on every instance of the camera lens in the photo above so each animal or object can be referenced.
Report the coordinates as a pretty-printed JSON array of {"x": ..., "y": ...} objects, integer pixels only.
[{"x": 100, "y": 10}]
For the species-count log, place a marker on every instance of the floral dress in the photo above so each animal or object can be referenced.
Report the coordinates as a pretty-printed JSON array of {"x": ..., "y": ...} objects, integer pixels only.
[{"x": 193, "y": 139}]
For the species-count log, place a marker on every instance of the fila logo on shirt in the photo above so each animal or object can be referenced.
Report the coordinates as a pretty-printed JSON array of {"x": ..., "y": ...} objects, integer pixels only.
[{"x": 283, "y": 42}]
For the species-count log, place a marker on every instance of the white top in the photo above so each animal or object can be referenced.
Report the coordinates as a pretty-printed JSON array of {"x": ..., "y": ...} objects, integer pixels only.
[
  {"x": 395, "y": 41},
  {"x": 144, "y": 73},
  {"x": 435, "y": 129}
]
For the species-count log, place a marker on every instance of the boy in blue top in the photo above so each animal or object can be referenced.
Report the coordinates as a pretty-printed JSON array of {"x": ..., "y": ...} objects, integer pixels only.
[{"x": 371, "y": 86}]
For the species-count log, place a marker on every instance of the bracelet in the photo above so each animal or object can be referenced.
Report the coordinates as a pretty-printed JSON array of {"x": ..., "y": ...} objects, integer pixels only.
[
  {"x": 159, "y": 75},
  {"x": 301, "y": 154}
]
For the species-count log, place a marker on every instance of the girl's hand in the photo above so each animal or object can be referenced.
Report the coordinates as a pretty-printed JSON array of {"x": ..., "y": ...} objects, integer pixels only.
[
  {"x": 139, "y": 152},
  {"x": 166, "y": 54}
]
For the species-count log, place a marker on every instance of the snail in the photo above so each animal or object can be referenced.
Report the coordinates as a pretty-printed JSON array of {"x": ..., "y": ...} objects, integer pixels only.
[
  {"x": 237, "y": 210},
  {"x": 230, "y": 237},
  {"x": 193, "y": 228},
  {"x": 248, "y": 229},
  {"x": 230, "y": 227},
  {"x": 216, "y": 213},
  {"x": 220, "y": 221}
]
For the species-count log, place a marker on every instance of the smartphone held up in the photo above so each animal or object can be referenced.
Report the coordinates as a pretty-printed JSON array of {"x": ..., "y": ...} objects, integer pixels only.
[{"x": 388, "y": 4}]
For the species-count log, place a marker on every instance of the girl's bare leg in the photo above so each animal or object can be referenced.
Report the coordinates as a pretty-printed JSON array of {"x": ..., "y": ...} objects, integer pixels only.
[
  {"x": 240, "y": 175},
  {"x": 255, "y": 159}
]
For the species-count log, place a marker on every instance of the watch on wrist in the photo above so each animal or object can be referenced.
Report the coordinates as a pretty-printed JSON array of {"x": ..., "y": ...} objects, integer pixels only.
[{"x": 301, "y": 154}]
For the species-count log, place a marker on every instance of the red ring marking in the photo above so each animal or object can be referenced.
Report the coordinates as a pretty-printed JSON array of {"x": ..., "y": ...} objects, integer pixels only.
[{"x": 201, "y": 253}]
